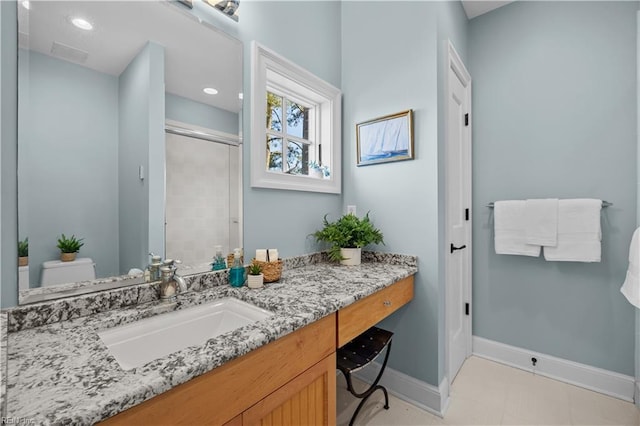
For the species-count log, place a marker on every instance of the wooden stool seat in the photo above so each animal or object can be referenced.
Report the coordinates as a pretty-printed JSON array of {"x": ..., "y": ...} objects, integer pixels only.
[{"x": 358, "y": 353}]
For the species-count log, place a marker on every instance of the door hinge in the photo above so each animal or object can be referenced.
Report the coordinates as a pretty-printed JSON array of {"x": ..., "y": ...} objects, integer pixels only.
[
  {"x": 466, "y": 214},
  {"x": 466, "y": 309},
  {"x": 466, "y": 119}
]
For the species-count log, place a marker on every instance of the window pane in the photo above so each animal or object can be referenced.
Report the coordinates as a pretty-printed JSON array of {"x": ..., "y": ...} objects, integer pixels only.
[
  {"x": 274, "y": 112},
  {"x": 297, "y": 158},
  {"x": 274, "y": 154},
  {"x": 297, "y": 120}
]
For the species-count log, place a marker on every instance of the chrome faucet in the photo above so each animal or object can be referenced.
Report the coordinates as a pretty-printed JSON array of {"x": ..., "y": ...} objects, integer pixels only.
[{"x": 171, "y": 283}]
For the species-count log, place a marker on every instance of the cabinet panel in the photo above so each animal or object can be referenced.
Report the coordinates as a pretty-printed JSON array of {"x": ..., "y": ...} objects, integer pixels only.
[
  {"x": 236, "y": 421},
  {"x": 218, "y": 396},
  {"x": 360, "y": 316},
  {"x": 309, "y": 399}
]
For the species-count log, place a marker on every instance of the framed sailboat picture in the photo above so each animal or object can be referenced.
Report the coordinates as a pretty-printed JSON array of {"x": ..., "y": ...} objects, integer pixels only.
[{"x": 385, "y": 139}]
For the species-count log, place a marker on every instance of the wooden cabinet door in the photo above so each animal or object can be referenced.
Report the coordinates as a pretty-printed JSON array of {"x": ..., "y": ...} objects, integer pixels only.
[{"x": 309, "y": 399}]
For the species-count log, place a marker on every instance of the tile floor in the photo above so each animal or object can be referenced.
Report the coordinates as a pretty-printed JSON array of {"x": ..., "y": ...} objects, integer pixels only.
[{"x": 488, "y": 393}]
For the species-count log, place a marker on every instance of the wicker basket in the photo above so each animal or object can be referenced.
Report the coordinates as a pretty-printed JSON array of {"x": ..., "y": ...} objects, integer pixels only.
[{"x": 271, "y": 270}]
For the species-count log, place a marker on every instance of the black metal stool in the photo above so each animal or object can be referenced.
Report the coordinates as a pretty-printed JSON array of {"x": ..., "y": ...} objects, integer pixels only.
[{"x": 357, "y": 354}]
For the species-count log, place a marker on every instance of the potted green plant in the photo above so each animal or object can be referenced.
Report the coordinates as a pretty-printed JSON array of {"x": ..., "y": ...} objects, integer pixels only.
[
  {"x": 255, "y": 279},
  {"x": 347, "y": 236},
  {"x": 23, "y": 252},
  {"x": 69, "y": 247}
]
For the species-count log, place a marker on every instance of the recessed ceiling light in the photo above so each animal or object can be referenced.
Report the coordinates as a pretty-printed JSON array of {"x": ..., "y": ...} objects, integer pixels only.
[
  {"x": 240, "y": 96},
  {"x": 210, "y": 91},
  {"x": 81, "y": 23},
  {"x": 26, "y": 4}
]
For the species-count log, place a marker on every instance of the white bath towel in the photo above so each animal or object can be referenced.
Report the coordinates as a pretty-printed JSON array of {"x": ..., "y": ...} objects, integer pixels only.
[
  {"x": 509, "y": 229},
  {"x": 579, "y": 232},
  {"x": 541, "y": 222},
  {"x": 631, "y": 286}
]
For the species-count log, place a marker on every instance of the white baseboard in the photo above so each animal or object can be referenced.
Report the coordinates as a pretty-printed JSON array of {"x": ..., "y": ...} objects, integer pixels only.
[
  {"x": 637, "y": 395},
  {"x": 592, "y": 378},
  {"x": 409, "y": 389}
]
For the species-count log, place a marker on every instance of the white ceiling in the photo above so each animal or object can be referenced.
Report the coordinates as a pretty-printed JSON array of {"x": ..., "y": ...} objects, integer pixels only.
[
  {"x": 196, "y": 55},
  {"x": 475, "y": 8}
]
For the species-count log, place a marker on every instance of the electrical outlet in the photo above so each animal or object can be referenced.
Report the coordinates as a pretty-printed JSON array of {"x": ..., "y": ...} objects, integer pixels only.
[{"x": 351, "y": 210}]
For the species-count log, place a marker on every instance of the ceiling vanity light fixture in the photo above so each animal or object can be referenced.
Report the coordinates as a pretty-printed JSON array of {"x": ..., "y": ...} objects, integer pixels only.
[
  {"x": 26, "y": 4},
  {"x": 228, "y": 7},
  {"x": 210, "y": 91}
]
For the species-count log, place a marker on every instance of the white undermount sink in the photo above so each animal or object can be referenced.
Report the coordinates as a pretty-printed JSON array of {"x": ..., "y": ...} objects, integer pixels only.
[{"x": 137, "y": 343}]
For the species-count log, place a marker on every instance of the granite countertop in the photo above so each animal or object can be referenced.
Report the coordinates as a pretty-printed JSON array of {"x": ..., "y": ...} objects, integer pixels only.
[{"x": 62, "y": 373}]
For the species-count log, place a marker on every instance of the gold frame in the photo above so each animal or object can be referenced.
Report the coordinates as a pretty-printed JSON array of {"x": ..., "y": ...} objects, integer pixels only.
[{"x": 380, "y": 155}]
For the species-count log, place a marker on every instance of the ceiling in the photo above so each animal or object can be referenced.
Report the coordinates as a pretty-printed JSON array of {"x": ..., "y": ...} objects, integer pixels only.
[
  {"x": 475, "y": 8},
  {"x": 196, "y": 54}
]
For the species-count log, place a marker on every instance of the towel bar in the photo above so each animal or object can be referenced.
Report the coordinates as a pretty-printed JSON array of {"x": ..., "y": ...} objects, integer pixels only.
[{"x": 604, "y": 204}]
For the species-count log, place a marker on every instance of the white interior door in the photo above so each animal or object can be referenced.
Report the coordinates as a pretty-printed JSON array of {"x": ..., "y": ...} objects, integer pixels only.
[{"x": 458, "y": 214}]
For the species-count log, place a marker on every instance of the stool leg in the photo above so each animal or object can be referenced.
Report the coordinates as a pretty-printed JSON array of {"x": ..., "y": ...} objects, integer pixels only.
[{"x": 374, "y": 386}]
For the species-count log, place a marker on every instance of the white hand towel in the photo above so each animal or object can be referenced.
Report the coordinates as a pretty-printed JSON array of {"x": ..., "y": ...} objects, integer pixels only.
[
  {"x": 509, "y": 229},
  {"x": 631, "y": 286},
  {"x": 541, "y": 222},
  {"x": 579, "y": 232}
]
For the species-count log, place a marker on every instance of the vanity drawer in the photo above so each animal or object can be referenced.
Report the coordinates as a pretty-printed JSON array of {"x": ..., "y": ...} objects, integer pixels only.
[{"x": 365, "y": 313}]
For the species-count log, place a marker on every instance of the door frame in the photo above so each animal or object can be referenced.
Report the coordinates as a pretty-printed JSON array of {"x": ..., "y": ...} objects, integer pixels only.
[{"x": 454, "y": 63}]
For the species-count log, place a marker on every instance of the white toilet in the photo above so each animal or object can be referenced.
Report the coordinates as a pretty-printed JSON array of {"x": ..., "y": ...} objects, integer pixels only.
[
  {"x": 59, "y": 272},
  {"x": 23, "y": 277}
]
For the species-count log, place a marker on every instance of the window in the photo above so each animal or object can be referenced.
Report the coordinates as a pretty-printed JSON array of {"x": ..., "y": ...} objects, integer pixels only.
[
  {"x": 296, "y": 133},
  {"x": 291, "y": 138}
]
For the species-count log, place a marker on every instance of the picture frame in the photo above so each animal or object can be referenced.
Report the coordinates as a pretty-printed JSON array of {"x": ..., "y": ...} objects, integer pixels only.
[{"x": 385, "y": 139}]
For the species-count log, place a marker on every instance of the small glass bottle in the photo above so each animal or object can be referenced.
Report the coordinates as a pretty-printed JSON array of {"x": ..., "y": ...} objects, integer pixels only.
[
  {"x": 237, "y": 273},
  {"x": 154, "y": 267},
  {"x": 219, "y": 262}
]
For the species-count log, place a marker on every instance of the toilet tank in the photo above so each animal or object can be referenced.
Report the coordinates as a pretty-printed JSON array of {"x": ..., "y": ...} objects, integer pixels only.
[{"x": 58, "y": 272}]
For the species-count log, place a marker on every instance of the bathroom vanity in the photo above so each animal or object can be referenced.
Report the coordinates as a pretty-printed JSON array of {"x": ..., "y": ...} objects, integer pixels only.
[{"x": 63, "y": 373}]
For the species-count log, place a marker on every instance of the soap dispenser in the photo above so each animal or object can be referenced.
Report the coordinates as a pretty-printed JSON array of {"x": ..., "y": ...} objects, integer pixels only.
[
  {"x": 219, "y": 262},
  {"x": 237, "y": 273},
  {"x": 168, "y": 286}
]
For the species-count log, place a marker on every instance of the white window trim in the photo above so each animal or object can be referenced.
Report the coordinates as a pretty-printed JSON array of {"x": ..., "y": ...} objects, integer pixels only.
[{"x": 264, "y": 61}]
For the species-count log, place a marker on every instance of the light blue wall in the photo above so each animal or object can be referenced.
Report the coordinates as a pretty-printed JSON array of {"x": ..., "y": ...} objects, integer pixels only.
[
  {"x": 155, "y": 173},
  {"x": 276, "y": 218},
  {"x": 554, "y": 102},
  {"x": 68, "y": 154},
  {"x": 8, "y": 154},
  {"x": 141, "y": 127},
  {"x": 187, "y": 111},
  {"x": 390, "y": 58}
]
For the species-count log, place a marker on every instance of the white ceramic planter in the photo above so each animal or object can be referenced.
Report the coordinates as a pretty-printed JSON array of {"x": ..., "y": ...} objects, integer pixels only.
[
  {"x": 351, "y": 255},
  {"x": 255, "y": 281}
]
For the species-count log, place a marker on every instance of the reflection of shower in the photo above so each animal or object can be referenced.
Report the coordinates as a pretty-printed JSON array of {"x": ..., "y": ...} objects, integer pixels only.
[{"x": 202, "y": 197}]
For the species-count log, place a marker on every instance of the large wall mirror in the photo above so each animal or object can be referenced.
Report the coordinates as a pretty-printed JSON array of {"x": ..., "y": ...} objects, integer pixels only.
[{"x": 129, "y": 121}]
